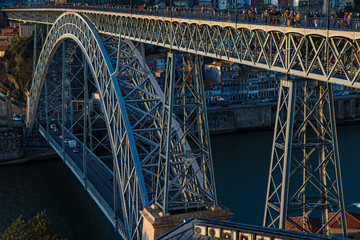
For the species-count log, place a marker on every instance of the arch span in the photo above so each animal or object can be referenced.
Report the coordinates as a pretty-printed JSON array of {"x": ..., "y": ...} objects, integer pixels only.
[{"x": 130, "y": 178}]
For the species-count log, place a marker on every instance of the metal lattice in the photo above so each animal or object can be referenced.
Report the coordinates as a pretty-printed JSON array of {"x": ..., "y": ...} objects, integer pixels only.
[
  {"x": 185, "y": 175},
  {"x": 128, "y": 126},
  {"x": 330, "y": 56},
  {"x": 305, "y": 175}
]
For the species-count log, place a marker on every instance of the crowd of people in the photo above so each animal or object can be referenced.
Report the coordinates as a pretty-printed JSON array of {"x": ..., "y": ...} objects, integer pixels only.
[{"x": 272, "y": 16}]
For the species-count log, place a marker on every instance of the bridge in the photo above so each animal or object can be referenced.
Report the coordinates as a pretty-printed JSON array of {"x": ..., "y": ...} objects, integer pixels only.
[{"x": 144, "y": 153}]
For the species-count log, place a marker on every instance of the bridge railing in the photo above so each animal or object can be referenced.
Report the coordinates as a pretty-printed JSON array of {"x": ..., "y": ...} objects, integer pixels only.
[{"x": 232, "y": 17}]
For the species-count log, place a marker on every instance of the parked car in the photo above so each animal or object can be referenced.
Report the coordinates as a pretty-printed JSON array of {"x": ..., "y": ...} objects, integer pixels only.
[
  {"x": 76, "y": 150},
  {"x": 66, "y": 140},
  {"x": 53, "y": 126}
]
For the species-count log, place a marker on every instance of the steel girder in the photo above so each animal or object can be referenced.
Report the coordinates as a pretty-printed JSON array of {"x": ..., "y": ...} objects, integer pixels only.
[
  {"x": 305, "y": 174},
  {"x": 330, "y": 56}
]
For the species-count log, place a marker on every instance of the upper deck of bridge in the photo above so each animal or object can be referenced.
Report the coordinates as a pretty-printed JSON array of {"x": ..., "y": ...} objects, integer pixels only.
[{"x": 307, "y": 26}]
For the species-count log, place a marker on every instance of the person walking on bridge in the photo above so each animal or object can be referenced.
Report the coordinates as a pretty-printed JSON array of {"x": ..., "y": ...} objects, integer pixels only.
[{"x": 298, "y": 18}]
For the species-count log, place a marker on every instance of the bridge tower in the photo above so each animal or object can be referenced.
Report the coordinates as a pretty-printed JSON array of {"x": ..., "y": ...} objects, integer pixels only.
[
  {"x": 305, "y": 176},
  {"x": 185, "y": 180}
]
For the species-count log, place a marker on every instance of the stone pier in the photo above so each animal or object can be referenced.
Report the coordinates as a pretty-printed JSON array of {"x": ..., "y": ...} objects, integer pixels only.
[{"x": 155, "y": 223}]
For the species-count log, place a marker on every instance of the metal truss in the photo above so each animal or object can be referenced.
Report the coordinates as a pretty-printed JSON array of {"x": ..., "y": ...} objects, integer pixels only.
[
  {"x": 130, "y": 122},
  {"x": 305, "y": 174},
  {"x": 185, "y": 178},
  {"x": 330, "y": 56}
]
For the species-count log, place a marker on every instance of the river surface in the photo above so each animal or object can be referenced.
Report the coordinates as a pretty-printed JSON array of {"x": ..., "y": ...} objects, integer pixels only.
[{"x": 241, "y": 170}]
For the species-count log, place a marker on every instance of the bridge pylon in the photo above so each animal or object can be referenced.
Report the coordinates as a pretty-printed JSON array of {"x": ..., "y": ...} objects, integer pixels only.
[
  {"x": 185, "y": 180},
  {"x": 304, "y": 182}
]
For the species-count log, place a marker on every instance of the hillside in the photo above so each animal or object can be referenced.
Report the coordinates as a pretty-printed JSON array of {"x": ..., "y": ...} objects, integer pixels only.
[{"x": 16, "y": 68}]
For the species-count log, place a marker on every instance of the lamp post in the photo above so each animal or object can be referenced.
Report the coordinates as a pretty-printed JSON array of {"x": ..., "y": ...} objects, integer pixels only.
[{"x": 328, "y": 14}]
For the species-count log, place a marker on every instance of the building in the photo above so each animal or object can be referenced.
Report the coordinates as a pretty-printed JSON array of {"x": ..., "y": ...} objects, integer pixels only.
[
  {"x": 156, "y": 62},
  {"x": 212, "y": 91},
  {"x": 313, "y": 224},
  {"x": 26, "y": 29},
  {"x": 352, "y": 223},
  {"x": 4, "y": 46},
  {"x": 262, "y": 84},
  {"x": 160, "y": 78},
  {"x": 220, "y": 71},
  {"x": 184, "y": 3},
  {"x": 233, "y": 85}
]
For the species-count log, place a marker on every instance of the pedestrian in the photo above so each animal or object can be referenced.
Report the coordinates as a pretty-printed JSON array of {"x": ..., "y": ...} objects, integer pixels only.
[
  {"x": 292, "y": 18},
  {"x": 316, "y": 20},
  {"x": 298, "y": 18},
  {"x": 349, "y": 20},
  {"x": 345, "y": 20}
]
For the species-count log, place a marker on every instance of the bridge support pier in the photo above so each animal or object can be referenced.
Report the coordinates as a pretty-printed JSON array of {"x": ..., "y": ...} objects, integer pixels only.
[
  {"x": 155, "y": 223},
  {"x": 185, "y": 178},
  {"x": 305, "y": 175}
]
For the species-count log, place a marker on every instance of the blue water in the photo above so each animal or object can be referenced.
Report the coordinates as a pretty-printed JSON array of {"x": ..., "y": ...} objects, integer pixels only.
[{"x": 241, "y": 170}]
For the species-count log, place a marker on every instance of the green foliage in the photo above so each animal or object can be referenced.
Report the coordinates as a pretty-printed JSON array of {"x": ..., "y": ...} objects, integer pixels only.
[
  {"x": 37, "y": 228},
  {"x": 16, "y": 68}
]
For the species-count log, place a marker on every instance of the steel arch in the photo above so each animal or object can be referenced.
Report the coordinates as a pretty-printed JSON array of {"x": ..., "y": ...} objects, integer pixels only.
[{"x": 79, "y": 29}]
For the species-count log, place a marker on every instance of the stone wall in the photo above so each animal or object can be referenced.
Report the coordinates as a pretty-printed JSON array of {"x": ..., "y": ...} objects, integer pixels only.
[{"x": 262, "y": 115}]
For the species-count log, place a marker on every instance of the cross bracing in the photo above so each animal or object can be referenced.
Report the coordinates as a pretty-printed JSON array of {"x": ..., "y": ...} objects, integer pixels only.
[
  {"x": 76, "y": 61},
  {"x": 325, "y": 55}
]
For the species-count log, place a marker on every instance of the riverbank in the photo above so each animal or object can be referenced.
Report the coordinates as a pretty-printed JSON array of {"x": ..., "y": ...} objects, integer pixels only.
[{"x": 235, "y": 118}]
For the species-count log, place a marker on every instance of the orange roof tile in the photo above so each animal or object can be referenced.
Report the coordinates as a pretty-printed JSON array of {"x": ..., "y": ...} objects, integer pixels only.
[
  {"x": 312, "y": 224},
  {"x": 352, "y": 220},
  {"x": 210, "y": 82},
  {"x": 4, "y": 43},
  {"x": 3, "y": 48}
]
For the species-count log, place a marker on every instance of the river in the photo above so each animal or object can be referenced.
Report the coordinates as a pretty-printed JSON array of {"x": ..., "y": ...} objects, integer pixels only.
[{"x": 241, "y": 163}]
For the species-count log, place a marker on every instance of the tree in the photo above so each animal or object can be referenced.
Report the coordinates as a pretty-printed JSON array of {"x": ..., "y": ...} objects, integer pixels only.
[{"x": 37, "y": 228}]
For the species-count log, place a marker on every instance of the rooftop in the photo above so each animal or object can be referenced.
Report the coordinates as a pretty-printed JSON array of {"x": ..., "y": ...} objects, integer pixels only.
[
  {"x": 201, "y": 229},
  {"x": 210, "y": 82}
]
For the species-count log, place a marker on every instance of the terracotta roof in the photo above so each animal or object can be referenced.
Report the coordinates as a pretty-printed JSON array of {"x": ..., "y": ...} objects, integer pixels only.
[
  {"x": 3, "y": 48},
  {"x": 4, "y": 43},
  {"x": 221, "y": 63},
  {"x": 312, "y": 224},
  {"x": 210, "y": 82},
  {"x": 156, "y": 56},
  {"x": 9, "y": 34},
  {"x": 352, "y": 220},
  {"x": 160, "y": 71}
]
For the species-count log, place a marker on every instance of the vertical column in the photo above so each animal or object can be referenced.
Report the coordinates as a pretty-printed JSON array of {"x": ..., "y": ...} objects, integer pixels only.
[
  {"x": 337, "y": 161},
  {"x": 63, "y": 78},
  {"x": 35, "y": 48},
  {"x": 322, "y": 155},
  {"x": 86, "y": 116},
  {"x": 287, "y": 154},
  {"x": 166, "y": 133}
]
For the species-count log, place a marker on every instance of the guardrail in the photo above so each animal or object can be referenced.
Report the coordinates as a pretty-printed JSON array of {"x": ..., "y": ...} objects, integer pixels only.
[
  {"x": 233, "y": 17},
  {"x": 90, "y": 188}
]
